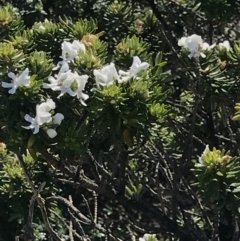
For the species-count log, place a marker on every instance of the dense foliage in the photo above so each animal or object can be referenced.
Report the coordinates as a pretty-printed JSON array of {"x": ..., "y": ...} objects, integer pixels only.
[{"x": 120, "y": 120}]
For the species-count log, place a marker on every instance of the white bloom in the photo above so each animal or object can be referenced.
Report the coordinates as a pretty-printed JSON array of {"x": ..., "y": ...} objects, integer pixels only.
[
  {"x": 79, "y": 46},
  {"x": 137, "y": 67},
  {"x": 51, "y": 104},
  {"x": 225, "y": 45},
  {"x": 57, "y": 118},
  {"x": 51, "y": 133},
  {"x": 42, "y": 112},
  {"x": 34, "y": 124},
  {"x": 106, "y": 75},
  {"x": 48, "y": 105},
  {"x": 206, "y": 46},
  {"x": 201, "y": 158},
  {"x": 23, "y": 79},
  {"x": 66, "y": 86},
  {"x": 42, "y": 115},
  {"x": 62, "y": 81},
  {"x": 193, "y": 43},
  {"x": 70, "y": 50},
  {"x": 59, "y": 78},
  {"x": 67, "y": 51},
  {"x": 182, "y": 42},
  {"x": 81, "y": 82}
]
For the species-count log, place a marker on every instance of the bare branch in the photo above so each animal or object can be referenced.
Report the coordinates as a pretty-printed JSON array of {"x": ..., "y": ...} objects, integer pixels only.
[
  {"x": 66, "y": 225},
  {"x": 95, "y": 206},
  {"x": 70, "y": 223},
  {"x": 49, "y": 228},
  {"x": 82, "y": 217},
  {"x": 88, "y": 208}
]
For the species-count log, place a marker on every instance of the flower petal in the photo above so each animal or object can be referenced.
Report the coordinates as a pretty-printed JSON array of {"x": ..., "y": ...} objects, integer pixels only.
[
  {"x": 29, "y": 118},
  {"x": 13, "y": 90},
  {"x": 7, "y": 85},
  {"x": 24, "y": 78},
  {"x": 51, "y": 133},
  {"x": 36, "y": 129},
  {"x": 57, "y": 119}
]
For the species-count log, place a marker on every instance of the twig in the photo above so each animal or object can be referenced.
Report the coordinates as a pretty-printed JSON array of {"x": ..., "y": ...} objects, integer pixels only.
[
  {"x": 95, "y": 215},
  {"x": 32, "y": 201},
  {"x": 133, "y": 238},
  {"x": 77, "y": 223},
  {"x": 82, "y": 217},
  {"x": 198, "y": 202},
  {"x": 49, "y": 228},
  {"x": 28, "y": 228},
  {"x": 70, "y": 223},
  {"x": 165, "y": 171},
  {"x": 65, "y": 224},
  {"x": 159, "y": 191},
  {"x": 88, "y": 208},
  {"x": 88, "y": 184}
]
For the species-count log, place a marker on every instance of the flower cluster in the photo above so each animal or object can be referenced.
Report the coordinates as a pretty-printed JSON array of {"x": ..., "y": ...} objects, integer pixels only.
[
  {"x": 64, "y": 82},
  {"x": 194, "y": 44},
  {"x": 108, "y": 73},
  {"x": 67, "y": 81},
  {"x": 43, "y": 116}
]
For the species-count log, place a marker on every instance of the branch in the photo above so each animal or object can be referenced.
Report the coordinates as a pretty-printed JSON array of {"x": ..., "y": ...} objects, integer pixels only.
[
  {"x": 70, "y": 224},
  {"x": 66, "y": 225},
  {"x": 73, "y": 209},
  {"x": 49, "y": 228}
]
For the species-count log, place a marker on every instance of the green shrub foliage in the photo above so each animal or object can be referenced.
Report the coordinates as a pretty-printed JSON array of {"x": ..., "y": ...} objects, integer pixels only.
[{"x": 119, "y": 120}]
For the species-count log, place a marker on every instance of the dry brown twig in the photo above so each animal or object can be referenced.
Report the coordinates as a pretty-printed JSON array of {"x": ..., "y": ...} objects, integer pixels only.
[
  {"x": 70, "y": 223},
  {"x": 61, "y": 219},
  {"x": 39, "y": 199}
]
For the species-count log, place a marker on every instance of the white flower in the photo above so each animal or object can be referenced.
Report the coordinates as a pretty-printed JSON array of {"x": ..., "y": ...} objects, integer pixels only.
[
  {"x": 182, "y": 42},
  {"x": 23, "y": 79},
  {"x": 193, "y": 43},
  {"x": 51, "y": 104},
  {"x": 137, "y": 67},
  {"x": 66, "y": 86},
  {"x": 51, "y": 133},
  {"x": 34, "y": 124},
  {"x": 81, "y": 82},
  {"x": 62, "y": 81},
  {"x": 201, "y": 158},
  {"x": 57, "y": 118},
  {"x": 106, "y": 75},
  {"x": 70, "y": 50},
  {"x": 42, "y": 115},
  {"x": 206, "y": 46},
  {"x": 225, "y": 45},
  {"x": 79, "y": 46},
  {"x": 59, "y": 78},
  {"x": 42, "y": 112}
]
